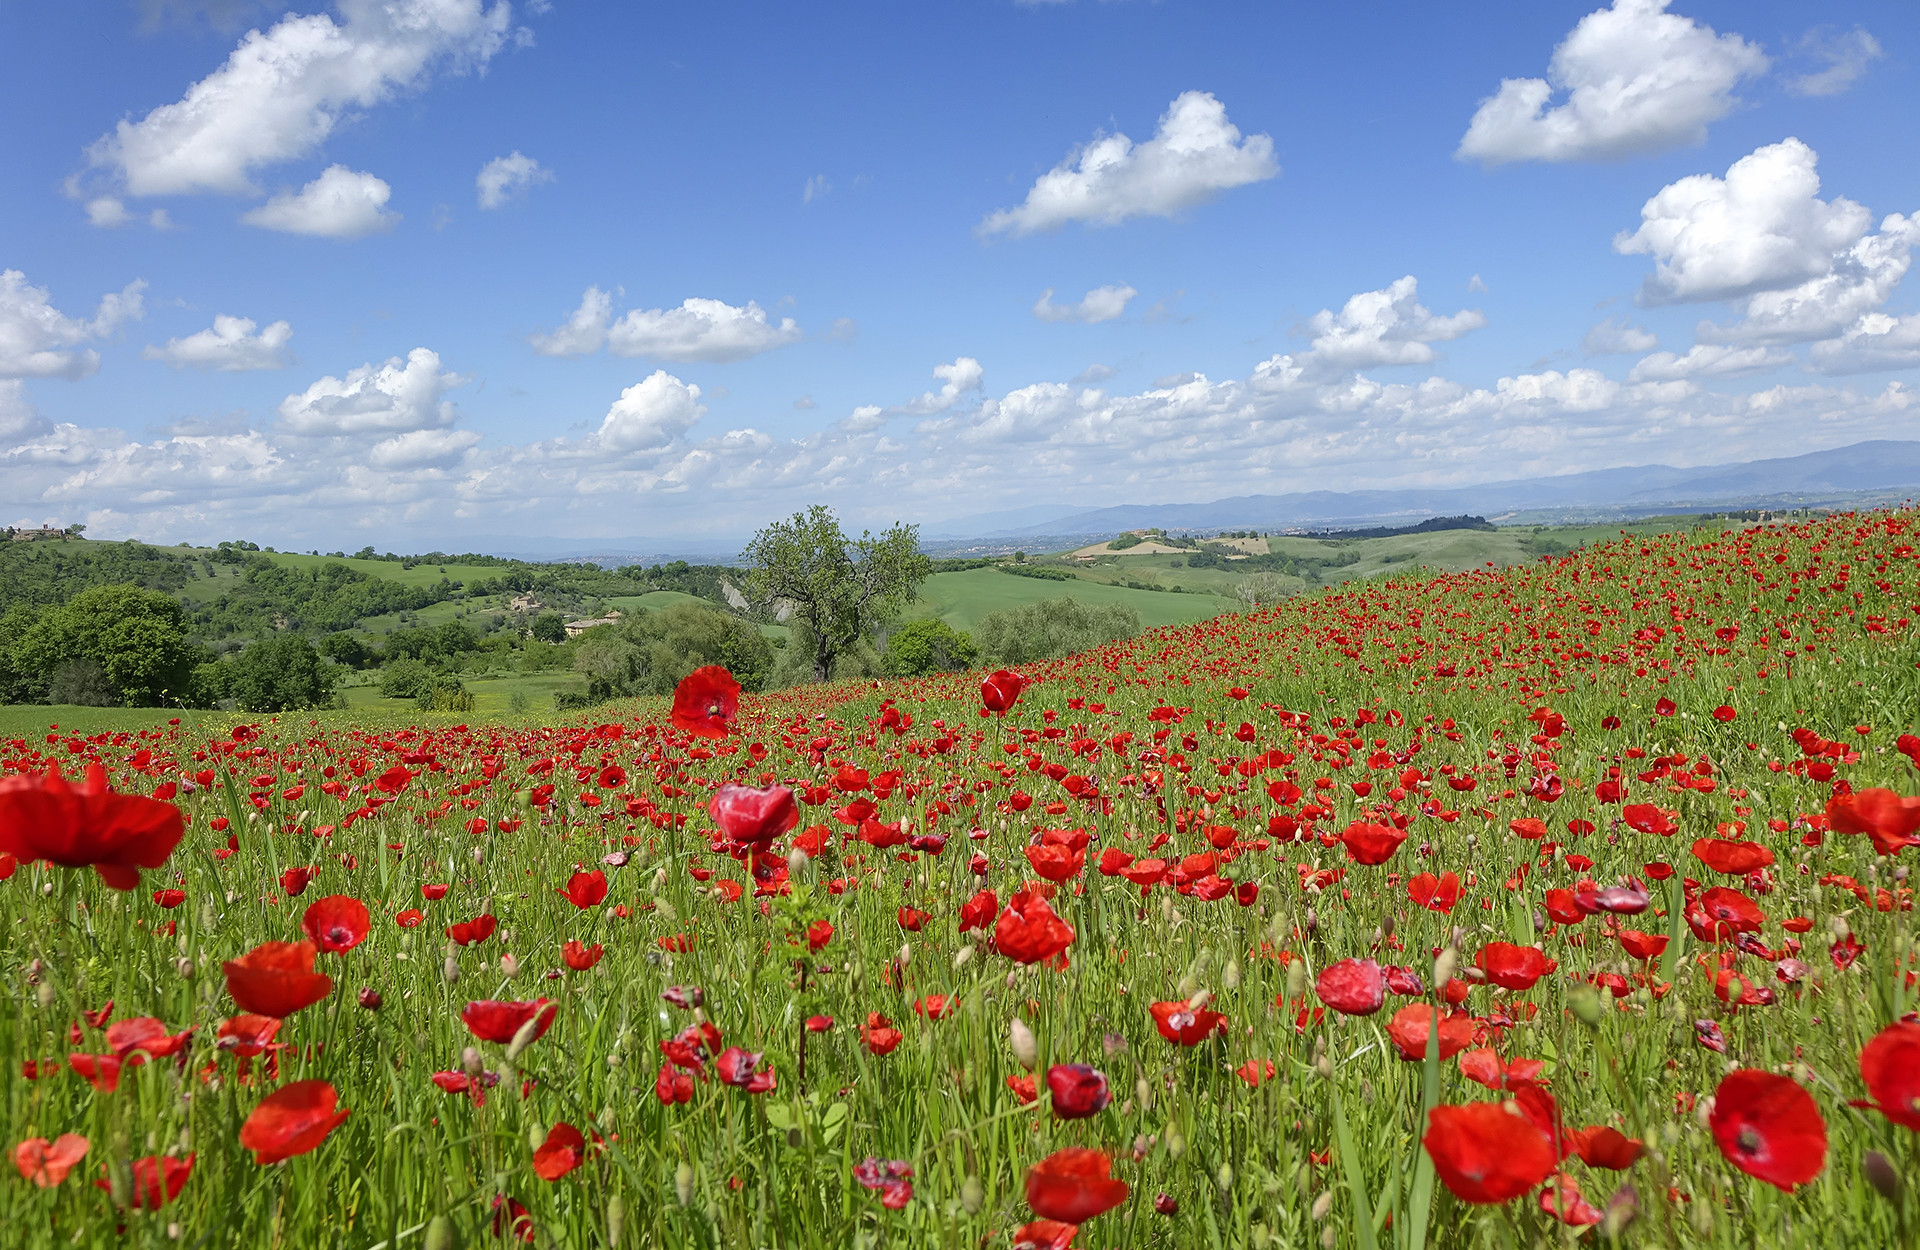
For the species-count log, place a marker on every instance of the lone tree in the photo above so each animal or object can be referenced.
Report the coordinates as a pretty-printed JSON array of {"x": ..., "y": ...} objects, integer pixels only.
[{"x": 836, "y": 587}]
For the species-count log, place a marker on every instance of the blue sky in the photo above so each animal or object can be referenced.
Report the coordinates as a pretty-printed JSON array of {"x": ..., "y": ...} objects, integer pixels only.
[{"x": 605, "y": 270}]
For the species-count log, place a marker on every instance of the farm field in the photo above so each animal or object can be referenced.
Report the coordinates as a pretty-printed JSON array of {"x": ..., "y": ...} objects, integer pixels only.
[
  {"x": 1494, "y": 908},
  {"x": 962, "y": 599}
]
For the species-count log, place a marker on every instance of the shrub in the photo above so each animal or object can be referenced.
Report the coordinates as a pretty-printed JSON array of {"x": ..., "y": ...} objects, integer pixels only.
[
  {"x": 927, "y": 646},
  {"x": 405, "y": 678},
  {"x": 1051, "y": 627},
  {"x": 280, "y": 674}
]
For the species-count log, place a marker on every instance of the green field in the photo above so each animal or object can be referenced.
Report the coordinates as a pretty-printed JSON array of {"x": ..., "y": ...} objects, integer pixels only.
[{"x": 962, "y": 599}]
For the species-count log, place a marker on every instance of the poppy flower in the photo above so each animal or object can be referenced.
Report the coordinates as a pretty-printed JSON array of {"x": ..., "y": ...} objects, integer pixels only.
[
  {"x": 672, "y": 1086},
  {"x": 145, "y": 1035},
  {"x": 247, "y": 1035},
  {"x": 819, "y": 1024},
  {"x": 294, "y": 881},
  {"x": 1890, "y": 820},
  {"x": 1769, "y": 1127},
  {"x": 1732, "y": 857},
  {"x": 167, "y": 900},
  {"x": 741, "y": 1069},
  {"x": 1435, "y": 893},
  {"x": 819, "y": 933},
  {"x": 1180, "y": 1023},
  {"x": 467, "y": 932},
  {"x": 1606, "y": 1147},
  {"x": 1485, "y": 1067},
  {"x": 46, "y": 1163},
  {"x": 277, "y": 979},
  {"x": 100, "y": 1071},
  {"x": 891, "y": 1177},
  {"x": 936, "y": 1006},
  {"x": 1145, "y": 872},
  {"x": 492, "y": 1020},
  {"x": 291, "y": 1121},
  {"x": 1000, "y": 690},
  {"x": 580, "y": 958},
  {"x": 157, "y": 1180},
  {"x": 1485, "y": 1153},
  {"x": 1643, "y": 945},
  {"x": 978, "y": 912},
  {"x": 1649, "y": 818},
  {"x": 1562, "y": 1200},
  {"x": 1054, "y": 862},
  {"x": 336, "y": 923},
  {"x": 1720, "y": 913},
  {"x": 1513, "y": 967},
  {"x": 1412, "y": 1026},
  {"x": 751, "y": 816},
  {"x": 1073, "y": 1186},
  {"x": 1353, "y": 987},
  {"x": 561, "y": 1152},
  {"x": 878, "y": 1034},
  {"x": 1890, "y": 1066},
  {"x": 410, "y": 918},
  {"x": 1028, "y": 931},
  {"x": 1370, "y": 843},
  {"x": 116, "y": 835},
  {"x": 510, "y": 1219},
  {"x": 705, "y": 701},
  {"x": 1078, "y": 1090},
  {"x": 586, "y": 889},
  {"x": 912, "y": 919},
  {"x": 1045, "y": 1235}
]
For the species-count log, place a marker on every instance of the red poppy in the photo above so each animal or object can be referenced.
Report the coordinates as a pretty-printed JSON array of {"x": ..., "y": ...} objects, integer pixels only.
[
  {"x": 1181, "y": 1023},
  {"x": 912, "y": 919},
  {"x": 978, "y": 912},
  {"x": 580, "y": 958},
  {"x": 1411, "y": 1026},
  {"x": 1649, "y": 818},
  {"x": 1354, "y": 987},
  {"x": 157, "y": 1180},
  {"x": 291, "y": 1121},
  {"x": 1145, "y": 872},
  {"x": 277, "y": 979},
  {"x": 741, "y": 1069},
  {"x": 1889, "y": 819},
  {"x": 705, "y": 701},
  {"x": 1073, "y": 1186},
  {"x": 167, "y": 900},
  {"x": 100, "y": 1071},
  {"x": 672, "y": 1086},
  {"x": 294, "y": 881},
  {"x": 1562, "y": 1200},
  {"x": 146, "y": 1035},
  {"x": 1485, "y": 1153},
  {"x": 586, "y": 889},
  {"x": 46, "y": 1163},
  {"x": 1055, "y": 862},
  {"x": 563, "y": 1150},
  {"x": 1720, "y": 913},
  {"x": 116, "y": 835},
  {"x": 410, "y": 918},
  {"x": 434, "y": 892},
  {"x": 1487, "y": 1068},
  {"x": 753, "y": 817},
  {"x": 936, "y": 1006},
  {"x": 510, "y": 1219},
  {"x": 819, "y": 933},
  {"x": 1769, "y": 1127},
  {"x": 1078, "y": 1090},
  {"x": 1435, "y": 893},
  {"x": 467, "y": 932},
  {"x": 1045, "y": 1235},
  {"x": 891, "y": 1177},
  {"x": 819, "y": 1024},
  {"x": 247, "y": 1035},
  {"x": 1890, "y": 1066},
  {"x": 878, "y": 1034},
  {"x": 1370, "y": 843},
  {"x": 336, "y": 923},
  {"x": 1604, "y": 1147},
  {"x": 1734, "y": 858},
  {"x": 1513, "y": 967},
  {"x": 1643, "y": 945},
  {"x": 1028, "y": 931},
  {"x": 1000, "y": 690},
  {"x": 496, "y": 1021}
]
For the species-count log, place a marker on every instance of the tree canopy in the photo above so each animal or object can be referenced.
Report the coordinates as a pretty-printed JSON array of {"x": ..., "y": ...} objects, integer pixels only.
[{"x": 839, "y": 588}]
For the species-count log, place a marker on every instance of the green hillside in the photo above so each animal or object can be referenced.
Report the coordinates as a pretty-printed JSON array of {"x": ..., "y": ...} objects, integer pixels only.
[{"x": 961, "y": 599}]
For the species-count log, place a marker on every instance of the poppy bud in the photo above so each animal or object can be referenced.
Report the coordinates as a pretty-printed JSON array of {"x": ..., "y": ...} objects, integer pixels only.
[
  {"x": 683, "y": 1182},
  {"x": 1622, "y": 1209},
  {"x": 1703, "y": 1217},
  {"x": 1230, "y": 975},
  {"x": 962, "y": 957},
  {"x": 439, "y": 1234},
  {"x": 1224, "y": 1178},
  {"x": 524, "y": 1035},
  {"x": 470, "y": 1060},
  {"x": 1444, "y": 967},
  {"x": 1588, "y": 1009},
  {"x": 119, "y": 1181},
  {"x": 1324, "y": 1066},
  {"x": 906, "y": 955},
  {"x": 535, "y": 1136},
  {"x": 616, "y": 1220},
  {"x": 1322, "y": 1205},
  {"x": 1176, "y": 1144},
  {"x": 1199, "y": 1000},
  {"x": 43, "y": 994},
  {"x": 370, "y": 998},
  {"x": 973, "y": 1195},
  {"x": 509, "y": 966},
  {"x": 797, "y": 860},
  {"x": 450, "y": 969},
  {"x": 184, "y": 967},
  {"x": 1880, "y": 1174},
  {"x": 1328, "y": 1238},
  {"x": 1165, "y": 1204},
  {"x": 1296, "y": 979},
  {"x": 1143, "y": 1093},
  {"x": 1026, "y": 1050}
]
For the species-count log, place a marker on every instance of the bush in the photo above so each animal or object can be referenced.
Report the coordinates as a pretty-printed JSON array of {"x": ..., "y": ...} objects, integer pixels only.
[
  {"x": 1124, "y": 541},
  {"x": 549, "y": 627},
  {"x": 346, "y": 649},
  {"x": 281, "y": 674},
  {"x": 927, "y": 646},
  {"x": 136, "y": 638},
  {"x": 650, "y": 652},
  {"x": 405, "y": 678},
  {"x": 445, "y": 694},
  {"x": 81, "y": 683},
  {"x": 1036, "y": 631}
]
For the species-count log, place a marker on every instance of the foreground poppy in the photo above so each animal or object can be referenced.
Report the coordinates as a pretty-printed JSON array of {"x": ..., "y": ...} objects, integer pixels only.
[
  {"x": 893, "y": 1178},
  {"x": 1073, "y": 1186},
  {"x": 146, "y": 1036},
  {"x": 336, "y": 923},
  {"x": 1078, "y": 1090},
  {"x": 116, "y": 835},
  {"x": 1029, "y": 932},
  {"x": 1045, "y": 1235},
  {"x": 751, "y": 816},
  {"x": 1177, "y": 1022},
  {"x": 291, "y": 1121},
  {"x": 1000, "y": 690},
  {"x": 561, "y": 1152},
  {"x": 705, "y": 701},
  {"x": 492, "y": 1020},
  {"x": 276, "y": 979},
  {"x": 46, "y": 1163},
  {"x": 1769, "y": 1127},
  {"x": 1353, "y": 987},
  {"x": 1890, "y": 820},
  {"x": 586, "y": 889},
  {"x": 1513, "y": 967},
  {"x": 157, "y": 1180},
  {"x": 1370, "y": 843},
  {"x": 1485, "y": 1153},
  {"x": 1890, "y": 1066},
  {"x": 1412, "y": 1027}
]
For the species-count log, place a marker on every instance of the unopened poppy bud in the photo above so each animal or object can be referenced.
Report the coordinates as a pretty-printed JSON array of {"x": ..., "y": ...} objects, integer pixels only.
[
  {"x": 962, "y": 957},
  {"x": 439, "y": 1234},
  {"x": 471, "y": 1061},
  {"x": 450, "y": 969},
  {"x": 1880, "y": 1173},
  {"x": 370, "y": 998},
  {"x": 1224, "y": 1178},
  {"x": 1143, "y": 1094},
  {"x": 523, "y": 1037},
  {"x": 184, "y": 967},
  {"x": 1841, "y": 929},
  {"x": 1584, "y": 1001},
  {"x": 1322, "y": 1205},
  {"x": 43, "y": 994},
  {"x": 1703, "y": 1217},
  {"x": 1386, "y": 926},
  {"x": 1324, "y": 1066},
  {"x": 1199, "y": 999},
  {"x": 1026, "y": 1049},
  {"x": 1328, "y": 1238},
  {"x": 119, "y": 1181},
  {"x": 616, "y": 1220},
  {"x": 1444, "y": 966},
  {"x": 797, "y": 861},
  {"x": 683, "y": 1182},
  {"x": 1230, "y": 975},
  {"x": 1296, "y": 979},
  {"x": 973, "y": 1195},
  {"x": 1703, "y": 1111},
  {"x": 1311, "y": 924},
  {"x": 1176, "y": 1144},
  {"x": 535, "y": 1136},
  {"x": 905, "y": 956},
  {"x": 509, "y": 966}
]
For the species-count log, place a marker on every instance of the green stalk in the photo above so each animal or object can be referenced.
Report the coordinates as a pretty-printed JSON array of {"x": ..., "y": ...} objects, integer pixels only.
[{"x": 1350, "y": 1164}]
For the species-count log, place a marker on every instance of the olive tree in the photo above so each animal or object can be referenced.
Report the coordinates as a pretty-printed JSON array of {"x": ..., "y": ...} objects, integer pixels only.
[{"x": 837, "y": 587}]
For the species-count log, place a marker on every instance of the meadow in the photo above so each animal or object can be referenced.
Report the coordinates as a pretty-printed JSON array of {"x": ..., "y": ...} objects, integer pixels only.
[{"x": 1505, "y": 907}]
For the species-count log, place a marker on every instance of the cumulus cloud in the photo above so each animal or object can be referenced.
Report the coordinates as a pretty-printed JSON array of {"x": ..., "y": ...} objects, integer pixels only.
[
  {"x": 37, "y": 340},
  {"x": 585, "y": 331},
  {"x": 1385, "y": 327},
  {"x": 1876, "y": 341},
  {"x": 1856, "y": 281},
  {"x": 232, "y": 345},
  {"x": 1632, "y": 78},
  {"x": 1612, "y": 336},
  {"x": 1843, "y": 57},
  {"x": 340, "y": 204},
  {"x": 282, "y": 92},
  {"x": 1763, "y": 227},
  {"x": 1103, "y": 303},
  {"x": 19, "y": 419},
  {"x": 1706, "y": 360},
  {"x": 1194, "y": 155},
  {"x": 651, "y": 414},
  {"x": 958, "y": 378},
  {"x": 504, "y": 177},
  {"x": 392, "y": 397},
  {"x": 421, "y": 448},
  {"x": 700, "y": 329}
]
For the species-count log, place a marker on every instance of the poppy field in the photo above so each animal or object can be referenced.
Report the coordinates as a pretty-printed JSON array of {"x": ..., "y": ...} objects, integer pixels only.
[{"x": 1559, "y": 903}]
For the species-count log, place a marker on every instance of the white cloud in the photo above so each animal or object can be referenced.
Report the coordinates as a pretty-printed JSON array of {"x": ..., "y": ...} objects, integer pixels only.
[
  {"x": 230, "y": 346},
  {"x": 421, "y": 448},
  {"x": 1104, "y": 303},
  {"x": 1876, "y": 341},
  {"x": 339, "y": 204},
  {"x": 282, "y": 92},
  {"x": 1616, "y": 336},
  {"x": 1194, "y": 155},
  {"x": 1706, "y": 360},
  {"x": 392, "y": 397},
  {"x": 1384, "y": 327},
  {"x": 815, "y": 187},
  {"x": 958, "y": 378},
  {"x": 37, "y": 340},
  {"x": 700, "y": 329},
  {"x": 1636, "y": 79},
  {"x": 651, "y": 414},
  {"x": 107, "y": 213},
  {"x": 805, "y": 403},
  {"x": 1843, "y": 57},
  {"x": 1857, "y": 281},
  {"x": 1761, "y": 228},
  {"x": 503, "y": 177},
  {"x": 19, "y": 419},
  {"x": 585, "y": 331}
]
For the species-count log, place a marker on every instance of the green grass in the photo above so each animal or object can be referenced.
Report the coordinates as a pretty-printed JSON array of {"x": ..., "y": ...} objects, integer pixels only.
[{"x": 962, "y": 599}]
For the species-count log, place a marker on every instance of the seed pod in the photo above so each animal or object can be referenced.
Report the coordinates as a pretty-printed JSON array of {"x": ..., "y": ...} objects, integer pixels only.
[
  {"x": 1880, "y": 1173},
  {"x": 683, "y": 1182},
  {"x": 1224, "y": 1178},
  {"x": 450, "y": 969},
  {"x": 1143, "y": 1094},
  {"x": 523, "y": 1038},
  {"x": 1230, "y": 975},
  {"x": 1322, "y": 1205},
  {"x": 1622, "y": 1209},
  {"x": 1588, "y": 1009},
  {"x": 439, "y": 1234},
  {"x": 1703, "y": 1218},
  {"x": 962, "y": 957},
  {"x": 184, "y": 967},
  {"x": 616, "y": 1220},
  {"x": 797, "y": 861},
  {"x": 973, "y": 1195},
  {"x": 1026, "y": 1049},
  {"x": 1296, "y": 980},
  {"x": 535, "y": 1136},
  {"x": 1444, "y": 966},
  {"x": 1199, "y": 1000},
  {"x": 509, "y": 966},
  {"x": 1176, "y": 1144},
  {"x": 471, "y": 1061}
]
